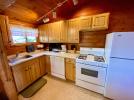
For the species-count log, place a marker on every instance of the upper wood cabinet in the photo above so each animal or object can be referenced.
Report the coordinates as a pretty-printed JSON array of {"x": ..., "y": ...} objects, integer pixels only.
[
  {"x": 73, "y": 31},
  {"x": 43, "y": 33},
  {"x": 63, "y": 34},
  {"x": 67, "y": 31},
  {"x": 53, "y": 32},
  {"x": 85, "y": 23},
  {"x": 56, "y": 31},
  {"x": 100, "y": 21}
]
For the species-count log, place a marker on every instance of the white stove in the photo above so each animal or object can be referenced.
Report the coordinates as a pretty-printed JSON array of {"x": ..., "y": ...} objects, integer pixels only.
[
  {"x": 92, "y": 60},
  {"x": 91, "y": 69}
]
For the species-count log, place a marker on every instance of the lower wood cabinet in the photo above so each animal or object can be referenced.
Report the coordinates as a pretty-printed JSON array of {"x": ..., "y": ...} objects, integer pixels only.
[
  {"x": 27, "y": 72},
  {"x": 42, "y": 61},
  {"x": 22, "y": 75},
  {"x": 48, "y": 65},
  {"x": 70, "y": 69},
  {"x": 34, "y": 69}
]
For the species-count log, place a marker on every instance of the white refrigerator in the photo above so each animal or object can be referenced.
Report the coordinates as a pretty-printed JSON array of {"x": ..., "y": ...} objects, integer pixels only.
[{"x": 120, "y": 74}]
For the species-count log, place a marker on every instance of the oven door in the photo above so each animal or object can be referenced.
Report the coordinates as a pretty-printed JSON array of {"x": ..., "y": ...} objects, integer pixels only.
[{"x": 93, "y": 74}]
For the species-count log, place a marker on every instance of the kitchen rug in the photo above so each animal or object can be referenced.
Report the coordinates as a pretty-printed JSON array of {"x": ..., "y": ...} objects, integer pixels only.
[{"x": 32, "y": 89}]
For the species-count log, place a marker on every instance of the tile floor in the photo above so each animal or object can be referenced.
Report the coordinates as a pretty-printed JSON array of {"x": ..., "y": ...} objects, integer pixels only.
[{"x": 57, "y": 89}]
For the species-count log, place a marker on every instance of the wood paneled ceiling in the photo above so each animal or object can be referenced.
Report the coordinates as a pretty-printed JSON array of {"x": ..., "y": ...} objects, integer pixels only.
[{"x": 31, "y": 10}]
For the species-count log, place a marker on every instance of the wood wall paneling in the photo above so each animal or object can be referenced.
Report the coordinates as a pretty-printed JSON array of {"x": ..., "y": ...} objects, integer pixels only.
[
  {"x": 93, "y": 39},
  {"x": 5, "y": 71},
  {"x": 3, "y": 95}
]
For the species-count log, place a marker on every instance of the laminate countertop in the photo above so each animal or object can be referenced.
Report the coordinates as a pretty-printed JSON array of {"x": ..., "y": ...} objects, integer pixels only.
[{"x": 13, "y": 60}]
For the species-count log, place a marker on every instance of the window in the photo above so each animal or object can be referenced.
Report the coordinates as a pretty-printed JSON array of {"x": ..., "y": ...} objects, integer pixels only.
[{"x": 22, "y": 34}]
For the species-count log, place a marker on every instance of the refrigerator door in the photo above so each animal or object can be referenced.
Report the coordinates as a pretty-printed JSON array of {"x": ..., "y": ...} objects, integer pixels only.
[
  {"x": 120, "y": 79},
  {"x": 122, "y": 45}
]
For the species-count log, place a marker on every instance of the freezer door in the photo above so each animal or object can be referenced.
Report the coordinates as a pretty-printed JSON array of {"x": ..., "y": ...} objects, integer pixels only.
[
  {"x": 120, "y": 80},
  {"x": 123, "y": 45}
]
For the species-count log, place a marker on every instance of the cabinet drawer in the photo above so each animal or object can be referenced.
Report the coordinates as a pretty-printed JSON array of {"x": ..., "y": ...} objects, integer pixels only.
[{"x": 69, "y": 60}]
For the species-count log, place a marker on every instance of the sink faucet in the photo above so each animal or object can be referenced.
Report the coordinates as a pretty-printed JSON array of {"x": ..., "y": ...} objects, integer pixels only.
[{"x": 17, "y": 54}]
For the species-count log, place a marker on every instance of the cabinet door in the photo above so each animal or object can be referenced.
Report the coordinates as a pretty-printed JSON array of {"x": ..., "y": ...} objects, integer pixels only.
[
  {"x": 43, "y": 33},
  {"x": 21, "y": 75},
  {"x": 34, "y": 69},
  {"x": 54, "y": 29},
  {"x": 63, "y": 33},
  {"x": 51, "y": 32},
  {"x": 85, "y": 23},
  {"x": 42, "y": 65},
  {"x": 57, "y": 31},
  {"x": 73, "y": 31},
  {"x": 70, "y": 69},
  {"x": 48, "y": 65},
  {"x": 100, "y": 21}
]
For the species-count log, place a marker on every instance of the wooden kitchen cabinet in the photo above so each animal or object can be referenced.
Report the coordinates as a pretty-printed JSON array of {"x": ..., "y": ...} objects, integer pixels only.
[
  {"x": 25, "y": 73},
  {"x": 43, "y": 33},
  {"x": 51, "y": 33},
  {"x": 63, "y": 33},
  {"x": 85, "y": 22},
  {"x": 48, "y": 65},
  {"x": 73, "y": 31},
  {"x": 67, "y": 31},
  {"x": 54, "y": 32},
  {"x": 42, "y": 61},
  {"x": 70, "y": 69},
  {"x": 21, "y": 75},
  {"x": 100, "y": 21},
  {"x": 34, "y": 69}
]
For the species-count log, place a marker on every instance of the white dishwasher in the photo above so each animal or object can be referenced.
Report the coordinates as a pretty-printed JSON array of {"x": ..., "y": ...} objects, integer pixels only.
[{"x": 57, "y": 66}]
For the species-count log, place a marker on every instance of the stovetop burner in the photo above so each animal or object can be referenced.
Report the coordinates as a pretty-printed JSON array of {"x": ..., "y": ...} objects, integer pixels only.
[
  {"x": 84, "y": 57},
  {"x": 99, "y": 58},
  {"x": 92, "y": 58}
]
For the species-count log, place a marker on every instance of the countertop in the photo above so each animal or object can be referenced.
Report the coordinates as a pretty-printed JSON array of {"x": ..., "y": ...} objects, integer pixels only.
[{"x": 39, "y": 53}]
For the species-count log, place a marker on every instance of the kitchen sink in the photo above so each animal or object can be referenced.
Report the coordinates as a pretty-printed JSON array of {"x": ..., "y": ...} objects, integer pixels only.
[{"x": 12, "y": 60}]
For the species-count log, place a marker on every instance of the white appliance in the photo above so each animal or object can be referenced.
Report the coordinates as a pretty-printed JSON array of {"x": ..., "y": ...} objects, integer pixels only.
[
  {"x": 57, "y": 66},
  {"x": 120, "y": 58},
  {"x": 91, "y": 69},
  {"x": 63, "y": 48}
]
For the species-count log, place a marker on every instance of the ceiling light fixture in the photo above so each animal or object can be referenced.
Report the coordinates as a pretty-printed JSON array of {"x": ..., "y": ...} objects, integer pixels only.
[
  {"x": 45, "y": 20},
  {"x": 75, "y": 2},
  {"x": 54, "y": 14},
  {"x": 52, "y": 11}
]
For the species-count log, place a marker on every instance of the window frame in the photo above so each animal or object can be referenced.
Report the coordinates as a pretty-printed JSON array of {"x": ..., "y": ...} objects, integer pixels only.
[{"x": 26, "y": 43}]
